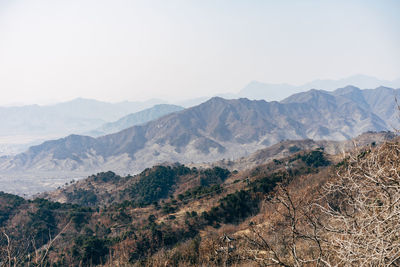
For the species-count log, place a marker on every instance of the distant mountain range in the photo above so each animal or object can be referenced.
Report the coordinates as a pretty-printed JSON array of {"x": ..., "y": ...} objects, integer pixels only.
[
  {"x": 136, "y": 118},
  {"x": 26, "y": 125},
  {"x": 381, "y": 102},
  {"x": 256, "y": 90},
  {"x": 73, "y": 116},
  {"x": 277, "y": 92},
  {"x": 217, "y": 129},
  {"x": 80, "y": 115}
]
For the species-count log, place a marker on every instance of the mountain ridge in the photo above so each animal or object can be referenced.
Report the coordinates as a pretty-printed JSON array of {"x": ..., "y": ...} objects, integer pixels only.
[
  {"x": 280, "y": 91},
  {"x": 136, "y": 118},
  {"x": 23, "y": 126},
  {"x": 218, "y": 128}
]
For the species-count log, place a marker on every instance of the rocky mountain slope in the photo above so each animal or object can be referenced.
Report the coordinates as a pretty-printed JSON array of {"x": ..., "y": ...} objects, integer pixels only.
[{"x": 289, "y": 147}]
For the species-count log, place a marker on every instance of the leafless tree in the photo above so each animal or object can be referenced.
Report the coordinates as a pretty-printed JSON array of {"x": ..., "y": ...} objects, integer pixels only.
[
  {"x": 41, "y": 254},
  {"x": 362, "y": 209},
  {"x": 12, "y": 253},
  {"x": 297, "y": 242}
]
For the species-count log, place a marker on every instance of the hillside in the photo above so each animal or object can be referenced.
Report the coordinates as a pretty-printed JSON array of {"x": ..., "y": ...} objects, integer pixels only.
[
  {"x": 109, "y": 219},
  {"x": 107, "y": 184},
  {"x": 290, "y": 147}
]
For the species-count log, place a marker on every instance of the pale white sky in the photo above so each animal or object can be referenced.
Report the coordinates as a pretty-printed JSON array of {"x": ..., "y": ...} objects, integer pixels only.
[{"x": 134, "y": 50}]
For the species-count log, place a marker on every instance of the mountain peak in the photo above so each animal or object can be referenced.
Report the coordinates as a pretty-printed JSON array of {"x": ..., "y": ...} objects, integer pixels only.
[
  {"x": 84, "y": 100},
  {"x": 306, "y": 96},
  {"x": 222, "y": 101},
  {"x": 216, "y": 100},
  {"x": 384, "y": 88},
  {"x": 347, "y": 90}
]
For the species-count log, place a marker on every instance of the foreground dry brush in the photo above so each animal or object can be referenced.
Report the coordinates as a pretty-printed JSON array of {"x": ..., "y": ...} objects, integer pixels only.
[
  {"x": 356, "y": 220},
  {"x": 363, "y": 209},
  {"x": 353, "y": 220}
]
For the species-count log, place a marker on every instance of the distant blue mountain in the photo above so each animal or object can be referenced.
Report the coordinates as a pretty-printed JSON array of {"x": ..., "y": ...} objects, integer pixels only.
[
  {"x": 75, "y": 116},
  {"x": 137, "y": 118},
  {"x": 277, "y": 92}
]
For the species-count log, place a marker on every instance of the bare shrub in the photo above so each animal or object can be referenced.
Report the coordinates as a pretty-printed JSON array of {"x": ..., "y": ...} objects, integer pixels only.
[
  {"x": 362, "y": 208},
  {"x": 293, "y": 239}
]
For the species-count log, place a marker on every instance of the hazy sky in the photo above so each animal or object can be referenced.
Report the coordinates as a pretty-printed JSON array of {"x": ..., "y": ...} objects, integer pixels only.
[{"x": 133, "y": 50}]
